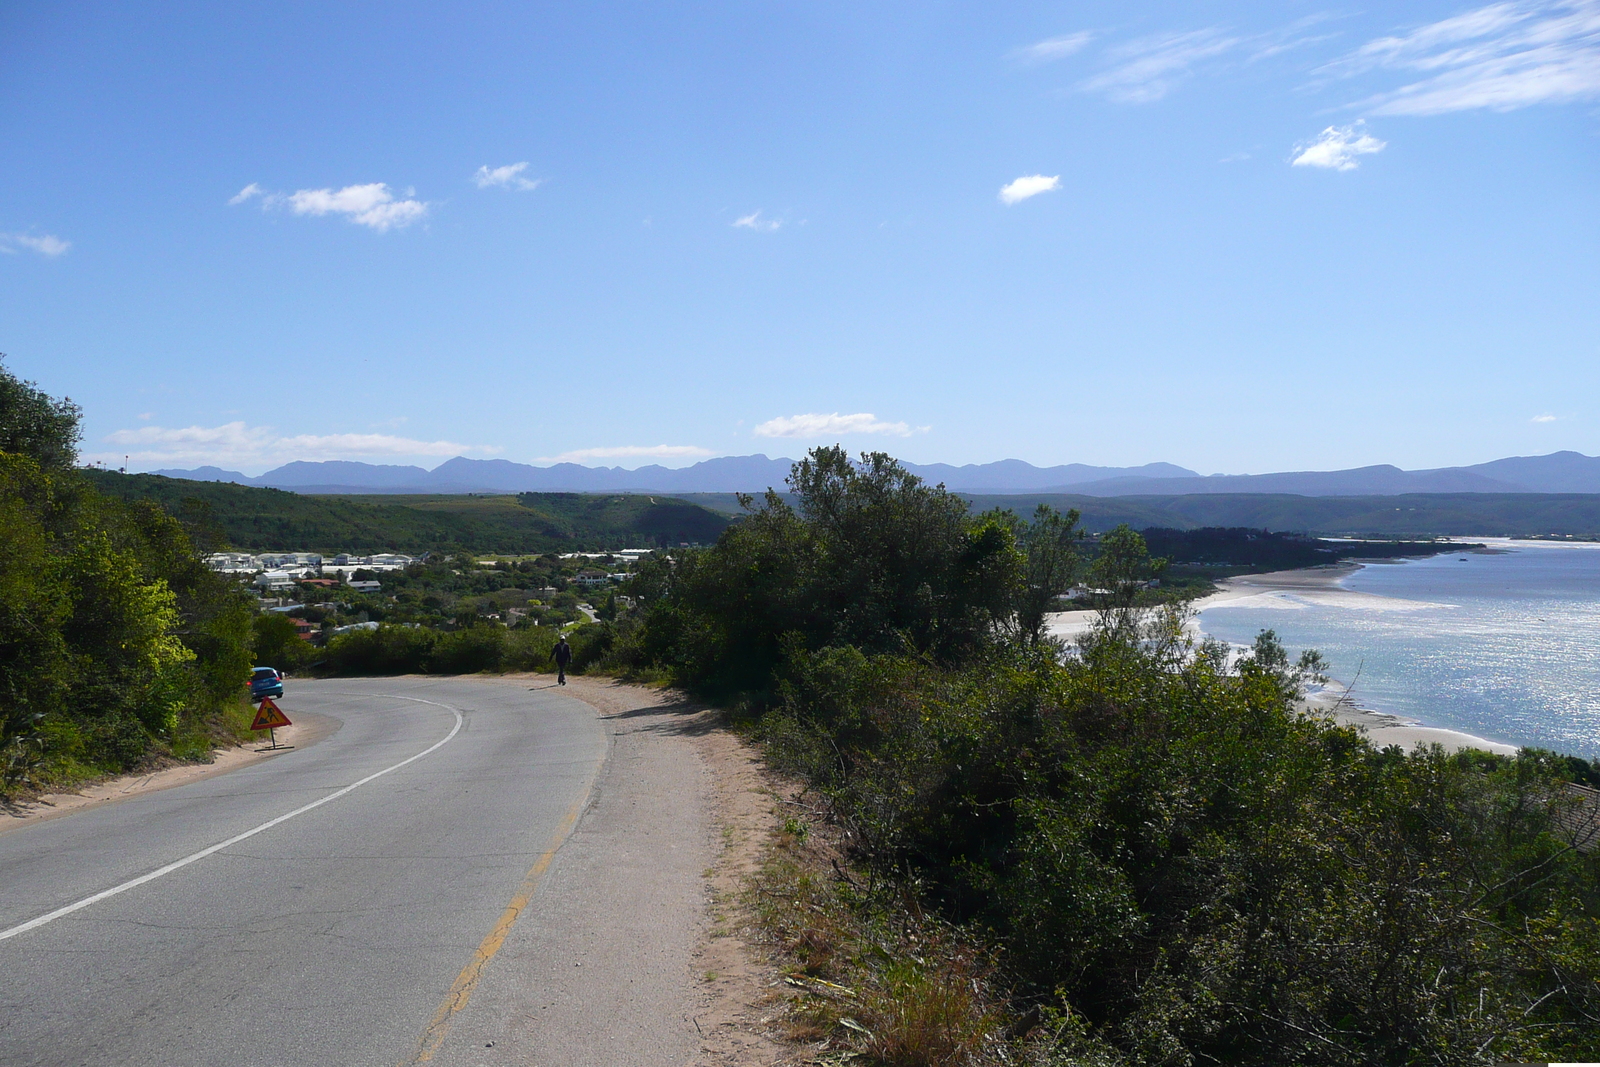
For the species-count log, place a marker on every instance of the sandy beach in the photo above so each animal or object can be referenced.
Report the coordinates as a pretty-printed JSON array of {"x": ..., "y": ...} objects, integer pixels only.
[{"x": 1333, "y": 700}]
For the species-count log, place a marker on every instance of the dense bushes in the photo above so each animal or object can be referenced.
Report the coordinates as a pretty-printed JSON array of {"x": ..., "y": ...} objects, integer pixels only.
[
  {"x": 116, "y": 642},
  {"x": 1165, "y": 848},
  {"x": 418, "y": 650},
  {"x": 1169, "y": 856}
]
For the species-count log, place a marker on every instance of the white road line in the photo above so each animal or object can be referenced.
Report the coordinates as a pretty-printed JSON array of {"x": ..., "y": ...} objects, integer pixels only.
[{"x": 34, "y": 924}]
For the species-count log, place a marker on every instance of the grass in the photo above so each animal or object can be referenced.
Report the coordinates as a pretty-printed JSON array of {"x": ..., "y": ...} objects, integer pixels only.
[{"x": 868, "y": 975}]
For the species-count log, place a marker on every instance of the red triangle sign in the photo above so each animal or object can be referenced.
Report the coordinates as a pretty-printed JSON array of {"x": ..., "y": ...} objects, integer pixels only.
[{"x": 268, "y": 716}]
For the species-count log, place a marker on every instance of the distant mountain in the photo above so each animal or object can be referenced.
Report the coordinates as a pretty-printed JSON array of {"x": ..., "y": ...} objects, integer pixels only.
[
  {"x": 1383, "y": 480},
  {"x": 342, "y": 472},
  {"x": 726, "y": 474},
  {"x": 1559, "y": 472},
  {"x": 206, "y": 474},
  {"x": 1013, "y": 474}
]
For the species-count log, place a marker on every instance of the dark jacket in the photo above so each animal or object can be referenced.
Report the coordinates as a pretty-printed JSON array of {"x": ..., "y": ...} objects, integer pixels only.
[{"x": 562, "y": 653}]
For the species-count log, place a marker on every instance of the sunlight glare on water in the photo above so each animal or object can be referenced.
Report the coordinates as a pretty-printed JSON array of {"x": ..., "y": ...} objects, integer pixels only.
[{"x": 1505, "y": 645}]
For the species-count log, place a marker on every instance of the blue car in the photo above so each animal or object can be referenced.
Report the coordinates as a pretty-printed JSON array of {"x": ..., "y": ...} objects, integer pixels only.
[{"x": 265, "y": 682}]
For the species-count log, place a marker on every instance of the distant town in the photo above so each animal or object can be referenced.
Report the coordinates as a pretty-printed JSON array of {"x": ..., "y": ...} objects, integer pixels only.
[{"x": 271, "y": 572}]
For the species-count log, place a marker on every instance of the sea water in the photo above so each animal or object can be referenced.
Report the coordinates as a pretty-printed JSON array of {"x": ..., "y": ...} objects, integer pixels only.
[{"x": 1503, "y": 644}]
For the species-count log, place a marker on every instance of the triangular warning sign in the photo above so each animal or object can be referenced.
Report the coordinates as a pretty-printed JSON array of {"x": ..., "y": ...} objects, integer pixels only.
[{"x": 268, "y": 716}]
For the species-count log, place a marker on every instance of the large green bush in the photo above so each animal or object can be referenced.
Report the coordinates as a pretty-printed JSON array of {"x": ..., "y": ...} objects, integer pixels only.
[
  {"x": 399, "y": 649},
  {"x": 385, "y": 650}
]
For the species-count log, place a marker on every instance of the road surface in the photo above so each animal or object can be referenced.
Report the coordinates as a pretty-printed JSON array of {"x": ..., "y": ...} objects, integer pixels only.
[{"x": 425, "y": 885}]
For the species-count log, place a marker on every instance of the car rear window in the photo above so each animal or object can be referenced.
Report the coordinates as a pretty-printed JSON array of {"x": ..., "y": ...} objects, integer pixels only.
[{"x": 263, "y": 672}]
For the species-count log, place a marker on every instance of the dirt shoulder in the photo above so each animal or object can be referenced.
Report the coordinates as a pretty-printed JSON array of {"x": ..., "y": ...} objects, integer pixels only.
[
  {"x": 308, "y": 729},
  {"x": 736, "y": 983}
]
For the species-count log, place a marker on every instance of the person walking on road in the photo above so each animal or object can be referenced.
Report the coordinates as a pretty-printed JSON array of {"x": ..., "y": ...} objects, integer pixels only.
[{"x": 562, "y": 654}]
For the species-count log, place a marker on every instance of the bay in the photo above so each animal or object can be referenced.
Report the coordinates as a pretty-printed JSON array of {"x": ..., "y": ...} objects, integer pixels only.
[{"x": 1503, "y": 644}]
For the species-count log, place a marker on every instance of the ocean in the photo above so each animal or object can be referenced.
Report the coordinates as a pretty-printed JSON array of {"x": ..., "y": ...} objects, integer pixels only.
[{"x": 1503, "y": 644}]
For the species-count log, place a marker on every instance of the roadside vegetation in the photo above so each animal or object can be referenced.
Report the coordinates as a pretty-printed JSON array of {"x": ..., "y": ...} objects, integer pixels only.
[
  {"x": 118, "y": 647},
  {"x": 1131, "y": 851}
]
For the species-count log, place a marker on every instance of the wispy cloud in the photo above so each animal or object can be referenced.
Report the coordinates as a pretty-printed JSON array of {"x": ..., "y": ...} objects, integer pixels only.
[
  {"x": 241, "y": 444},
  {"x": 1030, "y": 185},
  {"x": 1148, "y": 69},
  {"x": 372, "y": 205},
  {"x": 1545, "y": 418},
  {"x": 45, "y": 244},
  {"x": 1337, "y": 147},
  {"x": 813, "y": 425},
  {"x": 506, "y": 177},
  {"x": 1053, "y": 48},
  {"x": 578, "y": 455},
  {"x": 754, "y": 221},
  {"x": 1503, "y": 56}
]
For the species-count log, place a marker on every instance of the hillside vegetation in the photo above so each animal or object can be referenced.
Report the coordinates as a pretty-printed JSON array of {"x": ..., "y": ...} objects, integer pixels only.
[
  {"x": 117, "y": 645},
  {"x": 249, "y": 518},
  {"x": 1162, "y": 862},
  {"x": 1418, "y": 515}
]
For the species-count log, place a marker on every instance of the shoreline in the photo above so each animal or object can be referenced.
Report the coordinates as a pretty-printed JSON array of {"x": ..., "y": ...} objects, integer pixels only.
[
  {"x": 1332, "y": 700},
  {"x": 1382, "y": 728}
]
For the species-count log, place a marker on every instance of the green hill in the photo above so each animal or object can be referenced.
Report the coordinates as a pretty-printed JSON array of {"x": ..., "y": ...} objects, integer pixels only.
[
  {"x": 1411, "y": 515},
  {"x": 260, "y": 519}
]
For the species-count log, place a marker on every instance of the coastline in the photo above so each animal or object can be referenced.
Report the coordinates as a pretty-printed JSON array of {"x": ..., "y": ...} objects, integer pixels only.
[{"x": 1332, "y": 700}]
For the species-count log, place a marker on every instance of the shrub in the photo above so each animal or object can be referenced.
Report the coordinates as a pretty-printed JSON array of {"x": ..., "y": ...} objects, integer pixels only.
[
  {"x": 386, "y": 650},
  {"x": 477, "y": 648}
]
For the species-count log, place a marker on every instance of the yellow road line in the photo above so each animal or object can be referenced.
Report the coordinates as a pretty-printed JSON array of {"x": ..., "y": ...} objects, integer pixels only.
[{"x": 467, "y": 981}]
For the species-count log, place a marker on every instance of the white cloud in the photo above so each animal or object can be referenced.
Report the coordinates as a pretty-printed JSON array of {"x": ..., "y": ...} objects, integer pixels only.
[
  {"x": 629, "y": 451},
  {"x": 754, "y": 221},
  {"x": 1054, "y": 48},
  {"x": 240, "y": 444},
  {"x": 45, "y": 244},
  {"x": 371, "y": 205},
  {"x": 1031, "y": 185},
  {"x": 1503, "y": 56},
  {"x": 831, "y": 425},
  {"x": 1336, "y": 148},
  {"x": 1147, "y": 69},
  {"x": 506, "y": 177},
  {"x": 1544, "y": 418}
]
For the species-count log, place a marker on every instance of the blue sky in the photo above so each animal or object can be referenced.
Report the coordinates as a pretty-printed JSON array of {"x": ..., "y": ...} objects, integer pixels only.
[{"x": 1236, "y": 237}]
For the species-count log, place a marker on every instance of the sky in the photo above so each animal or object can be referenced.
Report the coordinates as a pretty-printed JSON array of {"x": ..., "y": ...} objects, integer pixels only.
[{"x": 1237, "y": 237}]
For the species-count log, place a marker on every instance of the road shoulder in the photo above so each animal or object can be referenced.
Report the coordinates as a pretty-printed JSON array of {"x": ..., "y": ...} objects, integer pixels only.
[
  {"x": 308, "y": 729},
  {"x": 663, "y": 743}
]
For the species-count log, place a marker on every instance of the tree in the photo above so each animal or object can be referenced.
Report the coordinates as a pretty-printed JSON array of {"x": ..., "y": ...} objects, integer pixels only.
[
  {"x": 36, "y": 425},
  {"x": 869, "y": 558},
  {"x": 901, "y": 561},
  {"x": 277, "y": 642},
  {"x": 1123, "y": 566},
  {"x": 1050, "y": 543}
]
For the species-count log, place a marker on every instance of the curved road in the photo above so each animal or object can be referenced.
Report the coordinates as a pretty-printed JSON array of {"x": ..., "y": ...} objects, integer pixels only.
[{"x": 423, "y": 885}]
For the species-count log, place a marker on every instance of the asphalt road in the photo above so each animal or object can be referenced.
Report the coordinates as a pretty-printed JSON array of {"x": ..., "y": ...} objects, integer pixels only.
[{"x": 429, "y": 884}]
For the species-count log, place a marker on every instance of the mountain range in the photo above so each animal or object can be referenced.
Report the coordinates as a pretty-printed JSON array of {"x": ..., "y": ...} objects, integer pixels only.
[{"x": 1558, "y": 472}]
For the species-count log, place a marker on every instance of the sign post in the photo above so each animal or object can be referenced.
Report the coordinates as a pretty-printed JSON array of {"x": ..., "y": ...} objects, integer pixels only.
[{"x": 268, "y": 718}]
